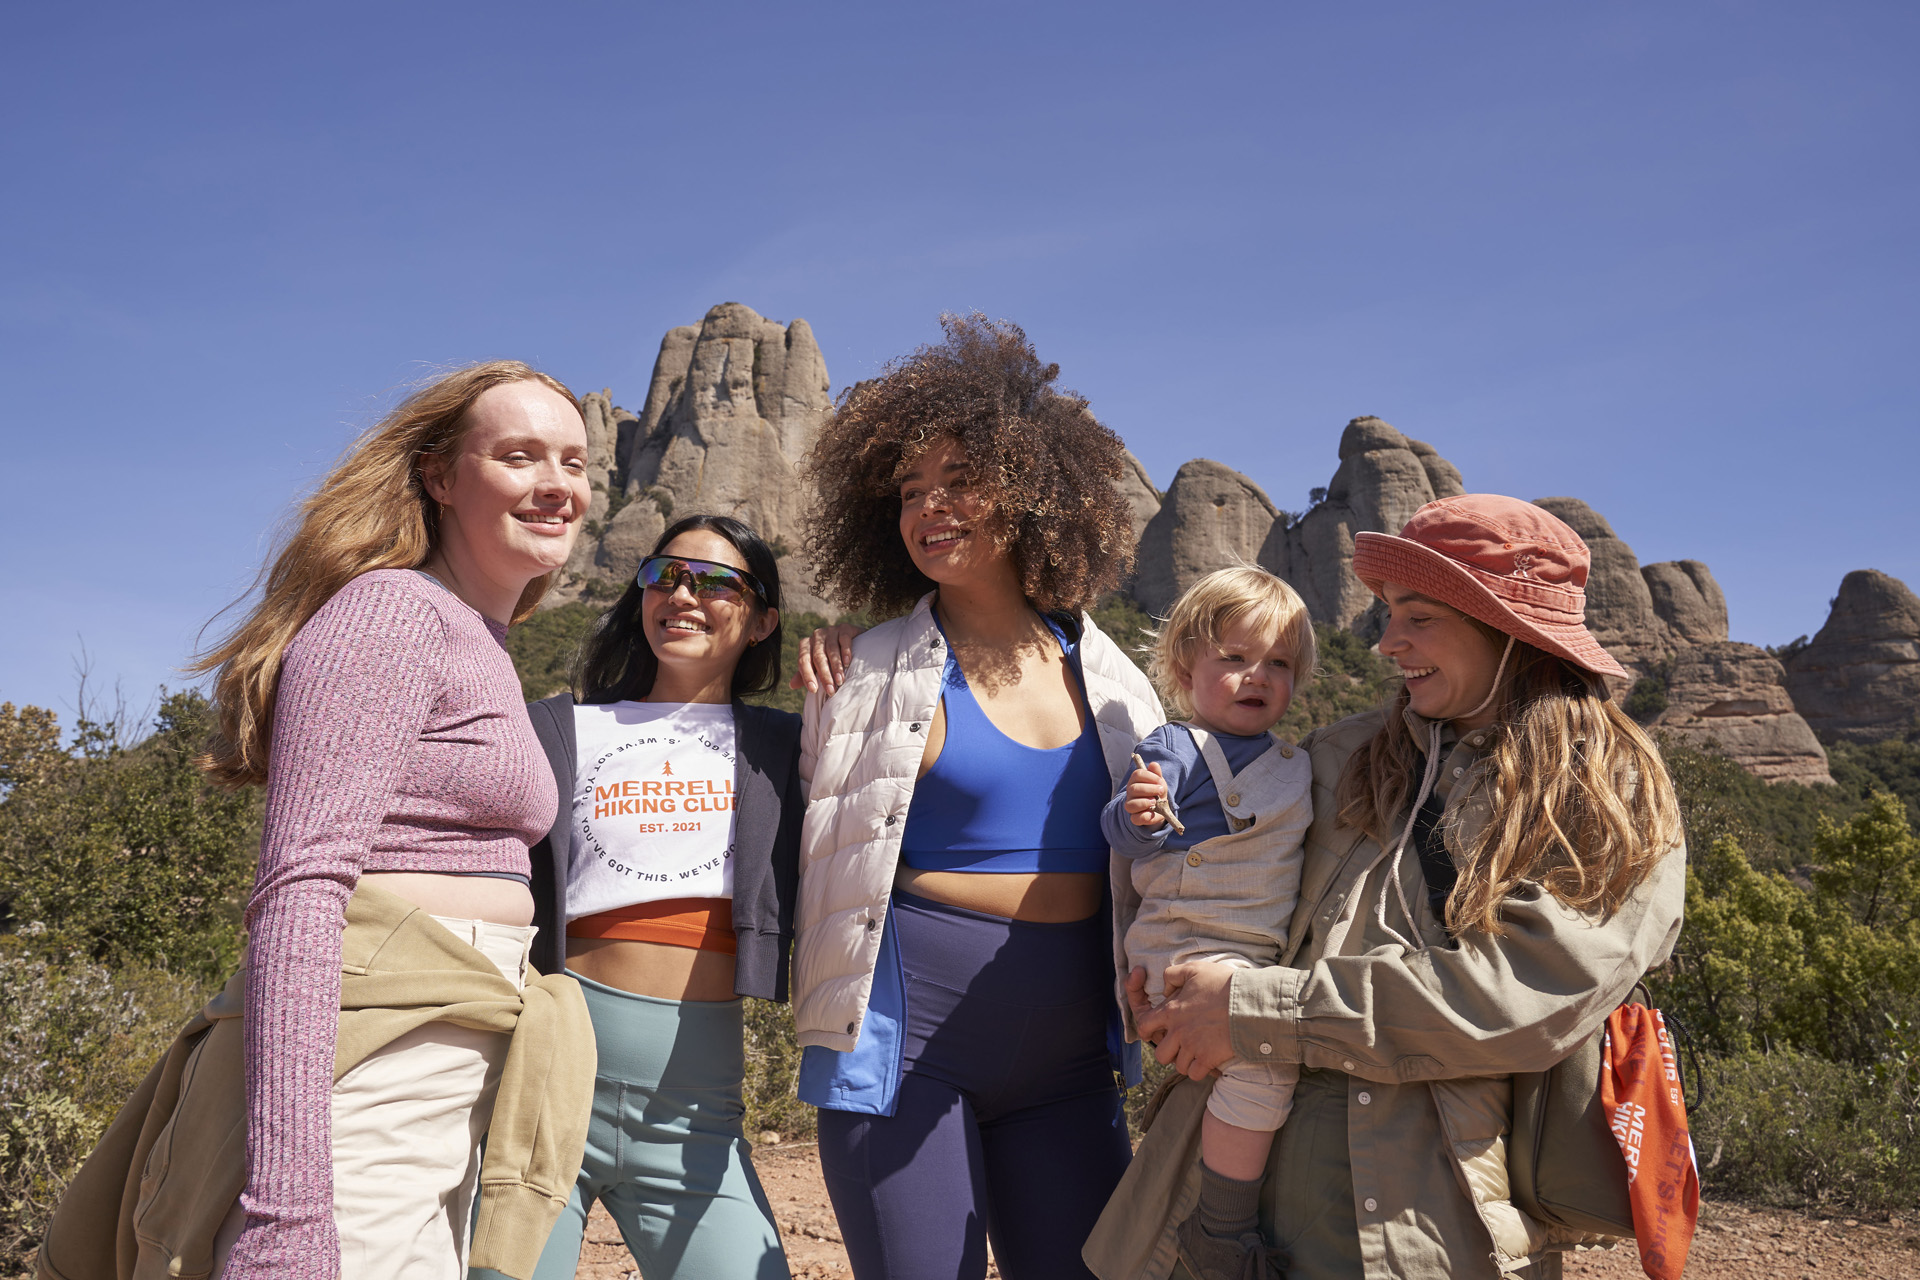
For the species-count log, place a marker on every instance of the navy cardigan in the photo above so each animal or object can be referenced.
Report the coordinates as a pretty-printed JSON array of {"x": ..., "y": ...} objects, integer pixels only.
[{"x": 766, "y": 830}]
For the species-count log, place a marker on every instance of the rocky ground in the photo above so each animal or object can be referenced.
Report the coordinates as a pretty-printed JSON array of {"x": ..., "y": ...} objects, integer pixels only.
[{"x": 1734, "y": 1243}]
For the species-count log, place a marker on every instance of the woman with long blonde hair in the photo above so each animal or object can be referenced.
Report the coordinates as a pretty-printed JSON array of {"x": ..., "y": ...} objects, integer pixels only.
[
  {"x": 370, "y": 692},
  {"x": 1495, "y": 859}
]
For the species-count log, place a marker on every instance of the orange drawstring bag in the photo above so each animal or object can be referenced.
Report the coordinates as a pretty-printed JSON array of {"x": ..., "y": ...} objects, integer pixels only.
[{"x": 1647, "y": 1112}]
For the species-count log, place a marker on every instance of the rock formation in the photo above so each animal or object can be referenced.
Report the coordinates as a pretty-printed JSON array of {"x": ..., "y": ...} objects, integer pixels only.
[
  {"x": 734, "y": 403},
  {"x": 1620, "y": 610},
  {"x": 1859, "y": 678},
  {"x": 1688, "y": 600},
  {"x": 604, "y": 422},
  {"x": 1383, "y": 478},
  {"x": 1734, "y": 696},
  {"x": 1211, "y": 517},
  {"x": 1667, "y": 622},
  {"x": 1136, "y": 486},
  {"x": 730, "y": 410}
]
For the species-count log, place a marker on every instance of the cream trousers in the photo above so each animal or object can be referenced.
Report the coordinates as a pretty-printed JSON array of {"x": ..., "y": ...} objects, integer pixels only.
[{"x": 407, "y": 1124}]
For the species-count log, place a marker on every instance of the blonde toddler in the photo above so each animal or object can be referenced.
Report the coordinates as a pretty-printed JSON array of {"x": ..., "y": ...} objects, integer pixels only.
[{"x": 1228, "y": 659}]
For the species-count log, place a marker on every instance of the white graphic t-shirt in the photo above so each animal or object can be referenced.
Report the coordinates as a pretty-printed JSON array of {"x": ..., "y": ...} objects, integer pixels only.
[{"x": 653, "y": 805}]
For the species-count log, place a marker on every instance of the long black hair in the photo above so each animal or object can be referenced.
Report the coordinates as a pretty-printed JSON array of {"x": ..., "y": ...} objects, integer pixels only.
[{"x": 618, "y": 665}]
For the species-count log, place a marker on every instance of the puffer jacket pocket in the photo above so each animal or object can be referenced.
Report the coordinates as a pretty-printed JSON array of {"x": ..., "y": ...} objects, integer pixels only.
[{"x": 1476, "y": 1114}]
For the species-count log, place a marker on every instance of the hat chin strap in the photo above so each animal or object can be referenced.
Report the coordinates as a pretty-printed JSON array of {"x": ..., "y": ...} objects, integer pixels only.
[
  {"x": 1428, "y": 777},
  {"x": 1499, "y": 674}
]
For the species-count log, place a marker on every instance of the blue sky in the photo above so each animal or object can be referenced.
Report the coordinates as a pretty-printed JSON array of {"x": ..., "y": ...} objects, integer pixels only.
[{"x": 1660, "y": 257}]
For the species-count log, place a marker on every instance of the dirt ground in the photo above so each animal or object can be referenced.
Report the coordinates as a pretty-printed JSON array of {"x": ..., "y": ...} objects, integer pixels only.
[{"x": 1733, "y": 1243}]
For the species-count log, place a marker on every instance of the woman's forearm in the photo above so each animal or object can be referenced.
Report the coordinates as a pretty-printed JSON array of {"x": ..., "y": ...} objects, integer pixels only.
[{"x": 1492, "y": 1005}]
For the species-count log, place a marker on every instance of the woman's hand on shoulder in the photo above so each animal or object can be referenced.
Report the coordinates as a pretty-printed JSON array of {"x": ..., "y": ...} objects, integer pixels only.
[{"x": 824, "y": 656}]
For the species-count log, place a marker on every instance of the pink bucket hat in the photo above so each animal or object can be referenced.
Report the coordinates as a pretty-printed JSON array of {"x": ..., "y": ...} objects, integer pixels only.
[{"x": 1508, "y": 563}]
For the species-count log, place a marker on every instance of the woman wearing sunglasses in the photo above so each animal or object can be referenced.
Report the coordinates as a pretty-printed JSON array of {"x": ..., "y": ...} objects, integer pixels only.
[
  {"x": 666, "y": 887},
  {"x": 954, "y": 974}
]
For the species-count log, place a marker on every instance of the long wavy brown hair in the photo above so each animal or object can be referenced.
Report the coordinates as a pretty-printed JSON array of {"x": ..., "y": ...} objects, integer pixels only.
[
  {"x": 371, "y": 512},
  {"x": 1578, "y": 798},
  {"x": 1039, "y": 457}
]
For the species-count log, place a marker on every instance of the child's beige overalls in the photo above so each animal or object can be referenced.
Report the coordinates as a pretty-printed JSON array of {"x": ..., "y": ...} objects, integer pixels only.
[{"x": 1229, "y": 899}]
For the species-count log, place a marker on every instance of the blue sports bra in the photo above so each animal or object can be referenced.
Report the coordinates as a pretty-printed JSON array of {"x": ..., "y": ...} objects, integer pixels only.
[{"x": 992, "y": 804}]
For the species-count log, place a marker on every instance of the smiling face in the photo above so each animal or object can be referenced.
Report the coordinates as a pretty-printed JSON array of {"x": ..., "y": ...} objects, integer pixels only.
[
  {"x": 514, "y": 490},
  {"x": 948, "y": 529},
  {"x": 700, "y": 642},
  {"x": 1241, "y": 685},
  {"x": 1448, "y": 662}
]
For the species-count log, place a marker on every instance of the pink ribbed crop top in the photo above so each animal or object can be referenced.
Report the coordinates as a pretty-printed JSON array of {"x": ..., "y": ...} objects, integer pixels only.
[{"x": 400, "y": 743}]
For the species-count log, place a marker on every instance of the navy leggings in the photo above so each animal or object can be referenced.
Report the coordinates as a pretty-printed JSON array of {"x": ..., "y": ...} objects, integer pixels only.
[{"x": 1009, "y": 1123}]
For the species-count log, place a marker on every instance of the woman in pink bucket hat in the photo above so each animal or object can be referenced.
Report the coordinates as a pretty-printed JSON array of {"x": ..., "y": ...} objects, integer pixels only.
[{"x": 1495, "y": 859}]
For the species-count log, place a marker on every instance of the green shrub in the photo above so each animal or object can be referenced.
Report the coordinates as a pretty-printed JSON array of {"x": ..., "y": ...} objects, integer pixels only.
[
  {"x": 125, "y": 853},
  {"x": 1799, "y": 1131},
  {"x": 1647, "y": 698},
  {"x": 1892, "y": 765},
  {"x": 1126, "y": 624},
  {"x": 794, "y": 627},
  {"x": 1775, "y": 825},
  {"x": 545, "y": 646},
  {"x": 1764, "y": 962},
  {"x": 1350, "y": 678},
  {"x": 76, "y": 1038},
  {"x": 773, "y": 1074}
]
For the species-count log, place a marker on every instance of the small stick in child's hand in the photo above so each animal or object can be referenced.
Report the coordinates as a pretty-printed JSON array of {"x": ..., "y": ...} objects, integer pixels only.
[{"x": 1161, "y": 804}]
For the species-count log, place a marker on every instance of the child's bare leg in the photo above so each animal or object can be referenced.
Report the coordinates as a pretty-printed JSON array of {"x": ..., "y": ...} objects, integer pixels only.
[{"x": 1233, "y": 1152}]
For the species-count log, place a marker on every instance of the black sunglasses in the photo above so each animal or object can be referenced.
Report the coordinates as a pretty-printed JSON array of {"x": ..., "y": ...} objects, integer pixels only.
[{"x": 707, "y": 579}]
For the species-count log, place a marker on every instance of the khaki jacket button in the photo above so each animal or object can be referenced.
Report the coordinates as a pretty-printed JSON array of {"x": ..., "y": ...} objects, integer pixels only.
[
  {"x": 1346, "y": 1066},
  {"x": 1286, "y": 752},
  {"x": 850, "y": 1028},
  {"x": 1265, "y": 1047},
  {"x": 1233, "y": 797},
  {"x": 1366, "y": 1099},
  {"x": 1193, "y": 859}
]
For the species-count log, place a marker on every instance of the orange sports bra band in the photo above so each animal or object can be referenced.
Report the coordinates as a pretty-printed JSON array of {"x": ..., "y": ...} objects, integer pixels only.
[{"x": 704, "y": 924}]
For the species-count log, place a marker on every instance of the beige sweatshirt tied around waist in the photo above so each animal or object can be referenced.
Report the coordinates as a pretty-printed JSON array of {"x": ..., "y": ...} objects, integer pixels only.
[{"x": 150, "y": 1199}]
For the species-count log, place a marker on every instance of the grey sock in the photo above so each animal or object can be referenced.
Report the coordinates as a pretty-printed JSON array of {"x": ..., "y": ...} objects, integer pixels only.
[{"x": 1228, "y": 1207}]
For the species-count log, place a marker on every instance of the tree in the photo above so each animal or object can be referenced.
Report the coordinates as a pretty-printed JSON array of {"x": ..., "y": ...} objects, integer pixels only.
[
  {"x": 122, "y": 852},
  {"x": 1832, "y": 969}
]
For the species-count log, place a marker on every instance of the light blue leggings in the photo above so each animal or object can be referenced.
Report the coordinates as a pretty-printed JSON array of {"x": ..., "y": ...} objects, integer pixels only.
[{"x": 665, "y": 1152}]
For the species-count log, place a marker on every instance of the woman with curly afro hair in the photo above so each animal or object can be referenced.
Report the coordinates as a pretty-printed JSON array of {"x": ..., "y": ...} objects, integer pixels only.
[{"x": 954, "y": 969}]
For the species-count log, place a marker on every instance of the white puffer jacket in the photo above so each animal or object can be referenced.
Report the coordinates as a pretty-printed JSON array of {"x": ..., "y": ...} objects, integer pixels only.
[{"x": 859, "y": 753}]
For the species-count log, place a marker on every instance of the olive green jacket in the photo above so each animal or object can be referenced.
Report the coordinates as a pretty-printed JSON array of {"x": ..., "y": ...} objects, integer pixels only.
[
  {"x": 1427, "y": 1040},
  {"x": 150, "y": 1199}
]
